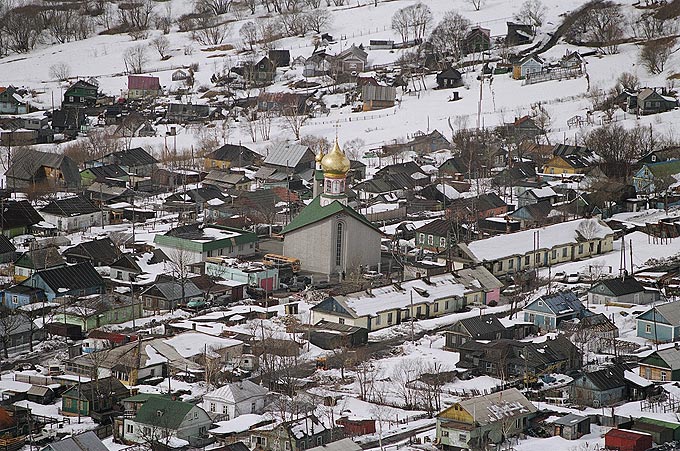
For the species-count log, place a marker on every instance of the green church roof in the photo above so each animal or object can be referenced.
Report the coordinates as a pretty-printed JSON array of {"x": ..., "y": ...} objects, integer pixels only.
[{"x": 314, "y": 212}]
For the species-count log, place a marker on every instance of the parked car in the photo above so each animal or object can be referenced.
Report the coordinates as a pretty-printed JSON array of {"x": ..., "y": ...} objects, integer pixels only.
[
  {"x": 321, "y": 284},
  {"x": 574, "y": 277},
  {"x": 560, "y": 276},
  {"x": 372, "y": 275},
  {"x": 296, "y": 286},
  {"x": 511, "y": 290},
  {"x": 196, "y": 304}
]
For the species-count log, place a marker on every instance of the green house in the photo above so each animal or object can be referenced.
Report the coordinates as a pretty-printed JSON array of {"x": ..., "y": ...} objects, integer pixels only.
[
  {"x": 106, "y": 173},
  {"x": 95, "y": 398},
  {"x": 195, "y": 242},
  {"x": 100, "y": 309}
]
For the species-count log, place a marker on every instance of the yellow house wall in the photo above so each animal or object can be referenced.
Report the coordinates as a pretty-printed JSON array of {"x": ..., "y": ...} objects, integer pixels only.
[{"x": 457, "y": 413}]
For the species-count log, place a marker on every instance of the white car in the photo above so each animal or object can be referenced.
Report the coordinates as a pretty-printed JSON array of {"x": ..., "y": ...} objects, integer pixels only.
[
  {"x": 511, "y": 290},
  {"x": 560, "y": 276},
  {"x": 574, "y": 278},
  {"x": 372, "y": 275}
]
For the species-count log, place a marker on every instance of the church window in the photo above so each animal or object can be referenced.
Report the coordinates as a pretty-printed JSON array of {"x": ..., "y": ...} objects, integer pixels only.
[{"x": 338, "y": 245}]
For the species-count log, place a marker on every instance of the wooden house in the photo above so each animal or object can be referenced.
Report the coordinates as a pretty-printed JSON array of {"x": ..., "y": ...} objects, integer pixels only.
[
  {"x": 599, "y": 388},
  {"x": 529, "y": 65},
  {"x": 81, "y": 94},
  {"x": 141, "y": 86},
  {"x": 477, "y": 40},
  {"x": 650, "y": 101},
  {"x": 449, "y": 78},
  {"x": 490, "y": 419},
  {"x": 280, "y": 58},
  {"x": 350, "y": 61},
  {"x": 519, "y": 34},
  {"x": 571, "y": 426},
  {"x": 12, "y": 101},
  {"x": 96, "y": 398},
  {"x": 378, "y": 97},
  {"x": 660, "y": 324},
  {"x": 228, "y": 156},
  {"x": 662, "y": 365}
]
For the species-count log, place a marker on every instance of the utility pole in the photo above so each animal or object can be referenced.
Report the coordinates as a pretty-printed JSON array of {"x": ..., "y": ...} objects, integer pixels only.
[{"x": 412, "y": 332}]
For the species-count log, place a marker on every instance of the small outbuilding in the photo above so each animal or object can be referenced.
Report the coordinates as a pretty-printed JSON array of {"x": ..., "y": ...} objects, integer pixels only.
[
  {"x": 572, "y": 426},
  {"x": 449, "y": 78},
  {"x": 327, "y": 335},
  {"x": 625, "y": 440}
]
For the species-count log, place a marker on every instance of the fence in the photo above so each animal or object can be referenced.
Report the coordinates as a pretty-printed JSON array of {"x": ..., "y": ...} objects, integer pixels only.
[
  {"x": 560, "y": 73},
  {"x": 365, "y": 117}
]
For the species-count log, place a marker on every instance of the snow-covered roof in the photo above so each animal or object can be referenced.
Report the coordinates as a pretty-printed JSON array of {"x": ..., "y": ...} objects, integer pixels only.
[
  {"x": 237, "y": 392},
  {"x": 190, "y": 344},
  {"x": 390, "y": 297},
  {"x": 520, "y": 243},
  {"x": 239, "y": 424}
]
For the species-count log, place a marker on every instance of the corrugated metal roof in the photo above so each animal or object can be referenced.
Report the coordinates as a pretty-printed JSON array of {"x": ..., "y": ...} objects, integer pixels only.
[{"x": 286, "y": 154}]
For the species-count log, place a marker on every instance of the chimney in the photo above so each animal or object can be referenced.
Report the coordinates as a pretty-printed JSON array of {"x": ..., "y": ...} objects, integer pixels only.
[{"x": 193, "y": 326}]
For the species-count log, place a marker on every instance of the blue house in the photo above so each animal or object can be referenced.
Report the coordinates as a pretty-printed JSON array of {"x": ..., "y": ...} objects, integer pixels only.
[
  {"x": 644, "y": 178},
  {"x": 599, "y": 388},
  {"x": 76, "y": 280},
  {"x": 548, "y": 311},
  {"x": 19, "y": 295},
  {"x": 661, "y": 323}
]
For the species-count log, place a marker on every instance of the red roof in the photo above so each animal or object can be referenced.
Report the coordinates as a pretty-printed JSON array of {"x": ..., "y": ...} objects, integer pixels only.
[
  {"x": 2, "y": 89},
  {"x": 143, "y": 82}
]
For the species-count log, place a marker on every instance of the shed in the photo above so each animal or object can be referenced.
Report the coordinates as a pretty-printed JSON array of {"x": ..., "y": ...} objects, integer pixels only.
[
  {"x": 624, "y": 440},
  {"x": 327, "y": 335},
  {"x": 671, "y": 430},
  {"x": 40, "y": 394},
  {"x": 572, "y": 426},
  {"x": 660, "y": 434}
]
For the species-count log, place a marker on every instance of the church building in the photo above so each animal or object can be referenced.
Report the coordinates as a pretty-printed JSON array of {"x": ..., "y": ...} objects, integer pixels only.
[{"x": 328, "y": 236}]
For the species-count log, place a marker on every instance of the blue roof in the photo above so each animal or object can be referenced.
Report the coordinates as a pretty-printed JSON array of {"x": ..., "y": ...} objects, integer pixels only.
[{"x": 560, "y": 303}]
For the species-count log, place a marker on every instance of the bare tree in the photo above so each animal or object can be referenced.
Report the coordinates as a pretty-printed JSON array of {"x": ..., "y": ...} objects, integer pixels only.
[
  {"x": 628, "y": 82},
  {"x": 604, "y": 27},
  {"x": 161, "y": 44},
  {"x": 476, "y": 4},
  {"x": 135, "y": 59},
  {"x": 60, "y": 71},
  {"x": 10, "y": 323},
  {"x": 532, "y": 12},
  {"x": 420, "y": 18},
  {"x": 352, "y": 148},
  {"x": 249, "y": 33},
  {"x": 21, "y": 28},
  {"x": 403, "y": 375},
  {"x": 295, "y": 116},
  {"x": 401, "y": 24},
  {"x": 210, "y": 31},
  {"x": 318, "y": 20},
  {"x": 317, "y": 143},
  {"x": 179, "y": 260},
  {"x": 448, "y": 36},
  {"x": 216, "y": 7},
  {"x": 366, "y": 373},
  {"x": 136, "y": 16},
  {"x": 655, "y": 54},
  {"x": 268, "y": 32}
]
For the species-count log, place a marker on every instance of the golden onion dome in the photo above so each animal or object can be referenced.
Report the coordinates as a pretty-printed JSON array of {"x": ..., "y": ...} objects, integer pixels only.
[
  {"x": 319, "y": 156},
  {"x": 335, "y": 162}
]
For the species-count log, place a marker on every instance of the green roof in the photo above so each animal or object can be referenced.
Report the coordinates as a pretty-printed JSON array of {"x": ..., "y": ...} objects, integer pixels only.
[
  {"x": 314, "y": 212},
  {"x": 664, "y": 168},
  {"x": 666, "y": 424},
  {"x": 144, "y": 397},
  {"x": 163, "y": 412}
]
